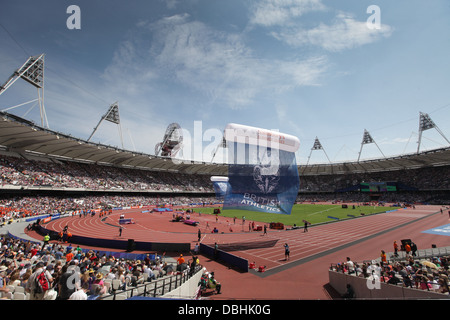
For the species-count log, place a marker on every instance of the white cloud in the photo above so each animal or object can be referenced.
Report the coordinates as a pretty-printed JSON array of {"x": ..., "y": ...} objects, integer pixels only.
[
  {"x": 284, "y": 115},
  {"x": 344, "y": 33},
  {"x": 171, "y": 4},
  {"x": 282, "y": 17},
  {"x": 280, "y": 12},
  {"x": 218, "y": 66},
  {"x": 128, "y": 71}
]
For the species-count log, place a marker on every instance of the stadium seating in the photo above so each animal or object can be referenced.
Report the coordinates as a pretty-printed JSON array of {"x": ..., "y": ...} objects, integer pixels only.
[{"x": 17, "y": 171}]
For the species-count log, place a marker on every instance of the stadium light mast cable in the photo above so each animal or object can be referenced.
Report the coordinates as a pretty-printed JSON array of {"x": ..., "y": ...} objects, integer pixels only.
[
  {"x": 425, "y": 123},
  {"x": 32, "y": 71},
  {"x": 367, "y": 138}
]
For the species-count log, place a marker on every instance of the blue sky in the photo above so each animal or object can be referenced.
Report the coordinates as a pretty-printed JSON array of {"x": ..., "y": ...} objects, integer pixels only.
[{"x": 309, "y": 68}]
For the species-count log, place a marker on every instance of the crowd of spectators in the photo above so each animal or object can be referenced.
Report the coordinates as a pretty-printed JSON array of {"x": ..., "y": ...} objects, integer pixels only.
[
  {"x": 429, "y": 178},
  {"x": 18, "y": 171},
  {"x": 47, "y": 172},
  {"x": 21, "y": 261},
  {"x": 381, "y": 198},
  {"x": 430, "y": 274},
  {"x": 15, "y": 207},
  {"x": 72, "y": 273}
]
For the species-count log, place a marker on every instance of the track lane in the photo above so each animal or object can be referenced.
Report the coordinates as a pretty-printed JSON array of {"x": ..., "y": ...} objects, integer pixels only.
[{"x": 157, "y": 227}]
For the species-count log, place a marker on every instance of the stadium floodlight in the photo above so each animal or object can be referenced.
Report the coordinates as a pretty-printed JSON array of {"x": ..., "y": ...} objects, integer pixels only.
[
  {"x": 367, "y": 139},
  {"x": 32, "y": 71},
  {"x": 425, "y": 123},
  {"x": 317, "y": 146},
  {"x": 112, "y": 115}
]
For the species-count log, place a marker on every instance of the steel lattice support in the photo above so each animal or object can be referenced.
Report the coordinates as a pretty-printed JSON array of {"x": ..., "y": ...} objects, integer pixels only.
[{"x": 32, "y": 71}]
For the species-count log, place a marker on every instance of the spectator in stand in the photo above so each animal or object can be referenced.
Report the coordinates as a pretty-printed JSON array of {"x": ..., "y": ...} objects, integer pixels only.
[
  {"x": 66, "y": 281},
  {"x": 121, "y": 275},
  {"x": 407, "y": 249},
  {"x": 148, "y": 270},
  {"x": 63, "y": 275},
  {"x": 3, "y": 277},
  {"x": 80, "y": 294},
  {"x": 69, "y": 256},
  {"x": 409, "y": 273},
  {"x": 180, "y": 259},
  {"x": 98, "y": 282},
  {"x": 413, "y": 249},
  {"x": 443, "y": 285},
  {"x": 25, "y": 276},
  {"x": 350, "y": 265},
  {"x": 14, "y": 279},
  {"x": 395, "y": 249},
  {"x": 32, "y": 286},
  {"x": 383, "y": 257}
]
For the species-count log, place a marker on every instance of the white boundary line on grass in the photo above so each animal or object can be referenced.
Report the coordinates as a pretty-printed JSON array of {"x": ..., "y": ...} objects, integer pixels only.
[{"x": 322, "y": 211}]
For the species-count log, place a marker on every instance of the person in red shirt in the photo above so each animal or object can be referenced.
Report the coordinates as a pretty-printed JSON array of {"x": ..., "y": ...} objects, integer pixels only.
[
  {"x": 180, "y": 259},
  {"x": 383, "y": 257},
  {"x": 395, "y": 248},
  {"x": 69, "y": 256},
  {"x": 407, "y": 248},
  {"x": 34, "y": 251}
]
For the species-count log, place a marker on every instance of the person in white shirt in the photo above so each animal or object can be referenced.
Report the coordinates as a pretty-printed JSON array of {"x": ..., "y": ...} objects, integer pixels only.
[
  {"x": 433, "y": 282},
  {"x": 111, "y": 274},
  {"x": 80, "y": 294},
  {"x": 374, "y": 268},
  {"x": 350, "y": 265},
  {"x": 149, "y": 271}
]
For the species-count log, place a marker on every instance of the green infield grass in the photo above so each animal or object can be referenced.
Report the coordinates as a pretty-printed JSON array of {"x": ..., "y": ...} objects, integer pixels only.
[{"x": 313, "y": 213}]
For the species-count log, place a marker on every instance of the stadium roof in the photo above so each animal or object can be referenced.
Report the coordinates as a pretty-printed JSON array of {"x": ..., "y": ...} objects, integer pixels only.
[
  {"x": 22, "y": 136},
  {"x": 437, "y": 157}
]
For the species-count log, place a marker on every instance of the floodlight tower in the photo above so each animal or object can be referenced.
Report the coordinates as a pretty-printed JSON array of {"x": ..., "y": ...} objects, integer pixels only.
[
  {"x": 425, "y": 123},
  {"x": 112, "y": 115},
  {"x": 367, "y": 138},
  {"x": 317, "y": 146},
  {"x": 32, "y": 71}
]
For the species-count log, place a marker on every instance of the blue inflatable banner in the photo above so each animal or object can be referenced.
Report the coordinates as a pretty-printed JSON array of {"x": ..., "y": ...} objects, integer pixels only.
[
  {"x": 221, "y": 186},
  {"x": 262, "y": 170}
]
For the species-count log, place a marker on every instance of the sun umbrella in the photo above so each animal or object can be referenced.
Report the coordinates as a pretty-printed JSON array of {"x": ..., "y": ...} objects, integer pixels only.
[{"x": 428, "y": 264}]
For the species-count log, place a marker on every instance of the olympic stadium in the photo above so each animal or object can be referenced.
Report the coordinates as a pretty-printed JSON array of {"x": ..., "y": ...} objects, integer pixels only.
[{"x": 51, "y": 180}]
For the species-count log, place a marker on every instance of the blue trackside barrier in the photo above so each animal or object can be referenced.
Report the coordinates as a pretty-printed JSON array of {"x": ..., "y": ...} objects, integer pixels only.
[
  {"x": 330, "y": 217},
  {"x": 225, "y": 257},
  {"x": 391, "y": 210}
]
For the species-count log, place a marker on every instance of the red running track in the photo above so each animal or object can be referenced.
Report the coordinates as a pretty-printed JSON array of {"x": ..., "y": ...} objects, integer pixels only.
[
  {"x": 305, "y": 275},
  {"x": 322, "y": 238}
]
